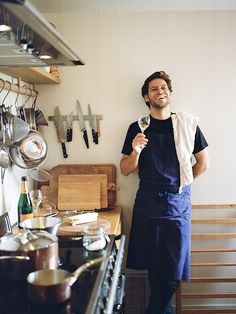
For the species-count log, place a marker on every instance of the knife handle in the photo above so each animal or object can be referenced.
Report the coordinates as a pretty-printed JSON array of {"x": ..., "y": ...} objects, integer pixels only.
[
  {"x": 69, "y": 135},
  {"x": 85, "y": 136},
  {"x": 65, "y": 155},
  {"x": 96, "y": 137},
  {"x": 93, "y": 134}
]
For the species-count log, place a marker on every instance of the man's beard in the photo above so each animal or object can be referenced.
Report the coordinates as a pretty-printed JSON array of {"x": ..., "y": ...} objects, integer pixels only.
[{"x": 159, "y": 105}]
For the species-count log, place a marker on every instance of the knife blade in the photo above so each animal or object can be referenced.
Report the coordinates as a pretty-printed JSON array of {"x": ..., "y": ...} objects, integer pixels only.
[
  {"x": 61, "y": 133},
  {"x": 69, "y": 131},
  {"x": 93, "y": 124},
  {"x": 82, "y": 123}
]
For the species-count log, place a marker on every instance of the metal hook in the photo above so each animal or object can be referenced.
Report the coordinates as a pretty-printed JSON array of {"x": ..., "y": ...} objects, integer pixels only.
[
  {"x": 10, "y": 84},
  {"x": 18, "y": 93},
  {"x": 3, "y": 85},
  {"x": 27, "y": 88},
  {"x": 35, "y": 99}
]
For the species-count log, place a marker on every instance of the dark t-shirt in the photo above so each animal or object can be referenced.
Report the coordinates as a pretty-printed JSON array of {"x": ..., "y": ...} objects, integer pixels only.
[
  {"x": 158, "y": 162},
  {"x": 161, "y": 127}
]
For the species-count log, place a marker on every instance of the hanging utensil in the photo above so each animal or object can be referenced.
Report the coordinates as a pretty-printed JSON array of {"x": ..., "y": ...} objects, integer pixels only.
[
  {"x": 69, "y": 131},
  {"x": 39, "y": 175},
  {"x": 93, "y": 124},
  {"x": 4, "y": 157},
  {"x": 61, "y": 133},
  {"x": 82, "y": 124},
  {"x": 39, "y": 116}
]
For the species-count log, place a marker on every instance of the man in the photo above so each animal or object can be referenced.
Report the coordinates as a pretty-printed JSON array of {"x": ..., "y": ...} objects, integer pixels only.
[{"x": 160, "y": 231}]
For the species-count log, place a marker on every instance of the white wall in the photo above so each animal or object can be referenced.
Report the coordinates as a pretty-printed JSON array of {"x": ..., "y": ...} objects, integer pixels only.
[{"x": 197, "y": 49}]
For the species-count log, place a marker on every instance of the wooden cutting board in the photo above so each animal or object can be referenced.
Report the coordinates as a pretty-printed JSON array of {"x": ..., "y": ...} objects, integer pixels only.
[
  {"x": 72, "y": 182},
  {"x": 74, "y": 194},
  {"x": 107, "y": 169}
]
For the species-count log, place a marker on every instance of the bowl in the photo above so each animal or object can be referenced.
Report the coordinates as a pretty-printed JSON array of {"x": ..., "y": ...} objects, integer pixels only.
[{"x": 49, "y": 224}]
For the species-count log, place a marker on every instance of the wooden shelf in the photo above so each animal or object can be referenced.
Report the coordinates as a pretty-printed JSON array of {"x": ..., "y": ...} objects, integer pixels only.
[{"x": 31, "y": 75}]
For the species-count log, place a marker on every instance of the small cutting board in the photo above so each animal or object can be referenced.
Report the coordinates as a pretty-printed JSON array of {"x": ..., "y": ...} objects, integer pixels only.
[
  {"x": 72, "y": 182},
  {"x": 74, "y": 194}
]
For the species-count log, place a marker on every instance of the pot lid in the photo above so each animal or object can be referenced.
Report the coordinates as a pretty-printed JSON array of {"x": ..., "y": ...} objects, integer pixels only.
[{"x": 28, "y": 241}]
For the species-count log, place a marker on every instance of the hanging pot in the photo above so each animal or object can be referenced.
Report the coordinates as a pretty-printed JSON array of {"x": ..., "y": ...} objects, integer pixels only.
[
  {"x": 13, "y": 128},
  {"x": 30, "y": 152},
  {"x": 39, "y": 247},
  {"x": 30, "y": 117}
]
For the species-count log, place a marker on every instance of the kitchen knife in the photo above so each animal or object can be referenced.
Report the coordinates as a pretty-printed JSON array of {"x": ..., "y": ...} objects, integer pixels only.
[
  {"x": 69, "y": 132},
  {"x": 93, "y": 125},
  {"x": 61, "y": 133},
  {"x": 82, "y": 124},
  {"x": 95, "y": 121}
]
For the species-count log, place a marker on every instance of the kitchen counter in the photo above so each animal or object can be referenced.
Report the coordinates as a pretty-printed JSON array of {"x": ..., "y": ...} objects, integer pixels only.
[{"x": 114, "y": 216}]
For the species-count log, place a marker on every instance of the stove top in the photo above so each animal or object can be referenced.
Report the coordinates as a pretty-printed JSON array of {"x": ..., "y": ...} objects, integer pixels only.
[{"x": 85, "y": 291}]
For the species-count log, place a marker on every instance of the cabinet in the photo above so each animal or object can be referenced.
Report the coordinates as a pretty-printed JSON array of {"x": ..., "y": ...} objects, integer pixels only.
[{"x": 31, "y": 75}]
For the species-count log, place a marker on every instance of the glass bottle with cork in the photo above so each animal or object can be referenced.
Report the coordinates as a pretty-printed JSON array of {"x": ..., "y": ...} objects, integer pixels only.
[{"x": 25, "y": 208}]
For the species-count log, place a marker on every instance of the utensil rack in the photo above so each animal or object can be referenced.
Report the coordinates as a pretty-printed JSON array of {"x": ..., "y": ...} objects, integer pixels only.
[
  {"x": 75, "y": 118},
  {"x": 11, "y": 87}
]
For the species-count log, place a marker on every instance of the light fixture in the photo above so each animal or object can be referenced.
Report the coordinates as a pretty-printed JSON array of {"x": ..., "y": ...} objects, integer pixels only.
[
  {"x": 31, "y": 32},
  {"x": 45, "y": 57}
]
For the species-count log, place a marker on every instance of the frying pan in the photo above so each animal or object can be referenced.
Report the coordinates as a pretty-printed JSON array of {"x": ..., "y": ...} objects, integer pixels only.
[{"x": 50, "y": 286}]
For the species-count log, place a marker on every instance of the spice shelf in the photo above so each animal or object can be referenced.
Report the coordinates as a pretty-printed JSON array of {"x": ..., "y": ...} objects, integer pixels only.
[{"x": 31, "y": 75}]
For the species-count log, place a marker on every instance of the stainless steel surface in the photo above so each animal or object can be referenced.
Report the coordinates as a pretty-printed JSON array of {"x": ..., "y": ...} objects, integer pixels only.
[
  {"x": 18, "y": 157},
  {"x": 82, "y": 124},
  {"x": 58, "y": 122},
  {"x": 49, "y": 224},
  {"x": 80, "y": 117},
  {"x": 61, "y": 133},
  {"x": 43, "y": 39}
]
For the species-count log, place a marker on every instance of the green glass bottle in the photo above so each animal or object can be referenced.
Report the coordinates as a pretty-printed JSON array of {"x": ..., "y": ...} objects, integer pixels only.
[{"x": 25, "y": 208}]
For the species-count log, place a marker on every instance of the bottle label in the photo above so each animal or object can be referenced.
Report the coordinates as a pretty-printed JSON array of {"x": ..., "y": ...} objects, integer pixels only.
[{"x": 26, "y": 216}]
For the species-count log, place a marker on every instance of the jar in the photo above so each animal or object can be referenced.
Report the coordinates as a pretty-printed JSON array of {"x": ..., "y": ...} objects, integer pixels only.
[
  {"x": 94, "y": 238},
  {"x": 48, "y": 205}
]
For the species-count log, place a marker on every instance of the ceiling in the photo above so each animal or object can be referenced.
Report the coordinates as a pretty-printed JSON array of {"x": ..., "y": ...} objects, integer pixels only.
[{"x": 60, "y": 6}]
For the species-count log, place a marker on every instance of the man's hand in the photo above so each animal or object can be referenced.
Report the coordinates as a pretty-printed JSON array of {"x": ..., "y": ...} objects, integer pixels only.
[
  {"x": 129, "y": 163},
  {"x": 139, "y": 142}
]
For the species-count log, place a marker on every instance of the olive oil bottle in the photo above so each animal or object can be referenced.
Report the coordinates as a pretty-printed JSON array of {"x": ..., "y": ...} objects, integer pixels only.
[{"x": 25, "y": 208}]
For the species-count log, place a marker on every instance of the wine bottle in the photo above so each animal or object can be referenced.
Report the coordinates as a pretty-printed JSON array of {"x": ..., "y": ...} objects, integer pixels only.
[{"x": 25, "y": 208}]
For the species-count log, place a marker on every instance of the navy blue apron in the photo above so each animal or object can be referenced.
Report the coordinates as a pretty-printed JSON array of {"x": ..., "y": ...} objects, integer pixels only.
[{"x": 160, "y": 230}]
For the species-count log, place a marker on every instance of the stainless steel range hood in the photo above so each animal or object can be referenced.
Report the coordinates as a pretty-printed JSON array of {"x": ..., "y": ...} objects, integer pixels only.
[{"x": 32, "y": 40}]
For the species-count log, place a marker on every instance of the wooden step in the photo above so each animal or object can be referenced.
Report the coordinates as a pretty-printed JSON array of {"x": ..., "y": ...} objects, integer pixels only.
[
  {"x": 213, "y": 235},
  {"x": 210, "y": 280},
  {"x": 214, "y": 221},
  {"x": 212, "y": 264},
  {"x": 213, "y": 206},
  {"x": 207, "y": 250},
  {"x": 218, "y": 310},
  {"x": 208, "y": 295}
]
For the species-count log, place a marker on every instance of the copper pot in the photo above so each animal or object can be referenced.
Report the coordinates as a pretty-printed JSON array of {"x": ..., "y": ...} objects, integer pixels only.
[
  {"x": 39, "y": 246},
  {"x": 54, "y": 286}
]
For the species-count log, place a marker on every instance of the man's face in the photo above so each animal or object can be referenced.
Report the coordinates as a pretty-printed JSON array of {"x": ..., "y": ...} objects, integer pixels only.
[{"x": 158, "y": 94}]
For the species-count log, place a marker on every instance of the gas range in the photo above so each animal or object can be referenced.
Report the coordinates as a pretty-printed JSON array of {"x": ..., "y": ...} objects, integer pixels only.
[{"x": 100, "y": 289}]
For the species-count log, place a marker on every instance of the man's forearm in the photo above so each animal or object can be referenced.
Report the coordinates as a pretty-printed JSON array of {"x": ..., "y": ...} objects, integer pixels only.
[{"x": 129, "y": 163}]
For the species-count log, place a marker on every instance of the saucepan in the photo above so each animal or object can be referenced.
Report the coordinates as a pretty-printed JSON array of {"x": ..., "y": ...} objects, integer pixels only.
[
  {"x": 26, "y": 252},
  {"x": 50, "y": 286}
]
